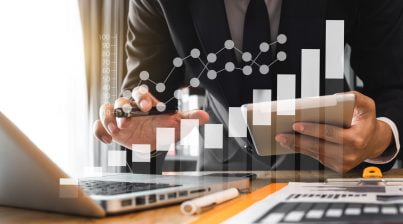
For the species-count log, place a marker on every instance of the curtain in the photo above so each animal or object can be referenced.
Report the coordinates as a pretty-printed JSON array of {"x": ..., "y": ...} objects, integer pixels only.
[{"x": 104, "y": 25}]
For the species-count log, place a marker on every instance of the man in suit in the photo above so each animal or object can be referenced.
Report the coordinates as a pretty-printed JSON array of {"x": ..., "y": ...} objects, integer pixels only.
[{"x": 160, "y": 30}]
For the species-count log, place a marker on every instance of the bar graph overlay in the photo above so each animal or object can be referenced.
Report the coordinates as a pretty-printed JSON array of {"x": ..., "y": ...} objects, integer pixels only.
[
  {"x": 68, "y": 188},
  {"x": 116, "y": 158},
  {"x": 68, "y": 181},
  {"x": 165, "y": 139},
  {"x": 141, "y": 153},
  {"x": 310, "y": 73},
  {"x": 334, "y": 49},
  {"x": 237, "y": 126},
  {"x": 213, "y": 136},
  {"x": 262, "y": 98},
  {"x": 261, "y": 107},
  {"x": 189, "y": 132},
  {"x": 286, "y": 94}
]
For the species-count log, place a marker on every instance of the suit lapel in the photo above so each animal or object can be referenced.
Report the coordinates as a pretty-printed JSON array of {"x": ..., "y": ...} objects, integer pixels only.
[{"x": 210, "y": 21}]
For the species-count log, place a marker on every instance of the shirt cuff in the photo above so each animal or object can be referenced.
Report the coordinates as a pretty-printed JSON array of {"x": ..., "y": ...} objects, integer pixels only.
[{"x": 393, "y": 150}]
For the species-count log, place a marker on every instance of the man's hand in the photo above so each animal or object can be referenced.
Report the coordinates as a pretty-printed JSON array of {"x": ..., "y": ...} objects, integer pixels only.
[
  {"x": 139, "y": 130},
  {"x": 338, "y": 148}
]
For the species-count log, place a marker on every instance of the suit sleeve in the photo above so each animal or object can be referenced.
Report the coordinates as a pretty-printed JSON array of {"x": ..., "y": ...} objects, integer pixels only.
[
  {"x": 149, "y": 47},
  {"x": 377, "y": 57}
]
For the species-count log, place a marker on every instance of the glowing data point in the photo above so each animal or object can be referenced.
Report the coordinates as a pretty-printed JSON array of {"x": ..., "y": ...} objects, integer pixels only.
[
  {"x": 178, "y": 94},
  {"x": 281, "y": 56},
  {"x": 281, "y": 39},
  {"x": 212, "y": 74},
  {"x": 160, "y": 87},
  {"x": 194, "y": 82},
  {"x": 229, "y": 67},
  {"x": 264, "y": 69},
  {"x": 127, "y": 108},
  {"x": 264, "y": 47},
  {"x": 144, "y": 75},
  {"x": 246, "y": 56},
  {"x": 195, "y": 53},
  {"x": 247, "y": 70},
  {"x": 229, "y": 44},
  {"x": 178, "y": 62},
  {"x": 127, "y": 94},
  {"x": 211, "y": 58},
  {"x": 143, "y": 89},
  {"x": 161, "y": 107}
]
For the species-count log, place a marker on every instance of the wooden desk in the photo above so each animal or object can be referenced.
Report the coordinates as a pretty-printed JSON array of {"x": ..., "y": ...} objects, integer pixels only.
[{"x": 169, "y": 214}]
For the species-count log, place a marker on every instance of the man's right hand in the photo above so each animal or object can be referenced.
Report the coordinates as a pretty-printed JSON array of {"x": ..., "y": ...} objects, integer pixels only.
[{"x": 139, "y": 130}]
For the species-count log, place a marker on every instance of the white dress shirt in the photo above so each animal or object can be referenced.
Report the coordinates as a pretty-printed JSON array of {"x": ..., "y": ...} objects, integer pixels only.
[{"x": 236, "y": 10}]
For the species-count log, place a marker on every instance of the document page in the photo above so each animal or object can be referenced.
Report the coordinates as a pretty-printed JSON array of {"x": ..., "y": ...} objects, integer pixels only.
[{"x": 327, "y": 202}]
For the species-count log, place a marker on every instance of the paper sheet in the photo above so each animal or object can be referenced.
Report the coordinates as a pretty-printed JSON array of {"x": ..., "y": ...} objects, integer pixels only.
[{"x": 301, "y": 194}]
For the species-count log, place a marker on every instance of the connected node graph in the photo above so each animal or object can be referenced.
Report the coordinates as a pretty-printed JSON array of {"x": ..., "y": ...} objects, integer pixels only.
[{"x": 211, "y": 58}]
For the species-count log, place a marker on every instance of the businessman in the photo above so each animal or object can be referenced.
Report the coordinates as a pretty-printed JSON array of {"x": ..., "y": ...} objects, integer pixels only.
[{"x": 160, "y": 30}]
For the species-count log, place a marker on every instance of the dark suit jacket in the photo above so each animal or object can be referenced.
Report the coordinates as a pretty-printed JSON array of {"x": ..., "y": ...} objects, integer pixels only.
[{"x": 160, "y": 30}]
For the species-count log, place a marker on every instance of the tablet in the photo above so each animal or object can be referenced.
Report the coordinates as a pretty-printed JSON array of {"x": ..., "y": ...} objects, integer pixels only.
[{"x": 267, "y": 119}]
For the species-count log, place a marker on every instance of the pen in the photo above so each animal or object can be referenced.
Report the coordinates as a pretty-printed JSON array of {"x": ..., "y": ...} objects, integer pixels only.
[
  {"x": 203, "y": 203},
  {"x": 135, "y": 112}
]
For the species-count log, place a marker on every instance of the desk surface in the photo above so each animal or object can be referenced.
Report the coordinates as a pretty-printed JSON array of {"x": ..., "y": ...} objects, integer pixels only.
[{"x": 169, "y": 214}]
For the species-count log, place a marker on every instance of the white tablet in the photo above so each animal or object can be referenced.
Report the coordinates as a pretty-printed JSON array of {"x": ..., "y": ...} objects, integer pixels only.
[{"x": 267, "y": 119}]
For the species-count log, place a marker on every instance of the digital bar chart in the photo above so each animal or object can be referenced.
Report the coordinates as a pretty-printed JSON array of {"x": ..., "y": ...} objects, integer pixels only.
[
  {"x": 310, "y": 73},
  {"x": 286, "y": 94},
  {"x": 334, "y": 49},
  {"x": 213, "y": 136},
  {"x": 261, "y": 107},
  {"x": 237, "y": 126},
  {"x": 165, "y": 139},
  {"x": 262, "y": 98}
]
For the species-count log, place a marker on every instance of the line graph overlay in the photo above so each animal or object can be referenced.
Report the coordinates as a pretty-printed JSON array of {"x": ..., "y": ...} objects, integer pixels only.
[{"x": 211, "y": 58}]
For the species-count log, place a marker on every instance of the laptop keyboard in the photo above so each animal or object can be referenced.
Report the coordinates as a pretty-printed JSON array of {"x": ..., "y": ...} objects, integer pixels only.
[{"x": 96, "y": 187}]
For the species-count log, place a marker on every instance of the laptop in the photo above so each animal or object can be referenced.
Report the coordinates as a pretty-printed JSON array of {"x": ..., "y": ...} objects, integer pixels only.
[{"x": 29, "y": 179}]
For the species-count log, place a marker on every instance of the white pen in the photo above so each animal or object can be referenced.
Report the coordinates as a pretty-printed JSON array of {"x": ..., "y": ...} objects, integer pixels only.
[{"x": 196, "y": 206}]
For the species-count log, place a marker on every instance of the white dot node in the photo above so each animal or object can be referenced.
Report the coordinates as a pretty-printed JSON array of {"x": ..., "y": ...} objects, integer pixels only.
[
  {"x": 264, "y": 69},
  {"x": 246, "y": 56},
  {"x": 281, "y": 56},
  {"x": 144, "y": 75},
  {"x": 178, "y": 62},
  {"x": 229, "y": 44},
  {"x": 247, "y": 70},
  {"x": 195, "y": 53},
  {"x": 127, "y": 94},
  {"x": 281, "y": 39},
  {"x": 160, "y": 87},
  {"x": 143, "y": 89},
  {"x": 178, "y": 94},
  {"x": 161, "y": 107},
  {"x": 211, "y": 58},
  {"x": 127, "y": 108},
  {"x": 212, "y": 74},
  {"x": 264, "y": 47},
  {"x": 194, "y": 82},
  {"x": 229, "y": 67}
]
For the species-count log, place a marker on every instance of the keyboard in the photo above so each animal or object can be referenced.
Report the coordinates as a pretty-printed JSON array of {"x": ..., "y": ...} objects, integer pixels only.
[{"x": 96, "y": 187}]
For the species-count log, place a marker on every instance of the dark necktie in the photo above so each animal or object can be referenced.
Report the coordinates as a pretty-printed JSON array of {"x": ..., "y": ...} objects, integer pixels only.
[{"x": 256, "y": 31}]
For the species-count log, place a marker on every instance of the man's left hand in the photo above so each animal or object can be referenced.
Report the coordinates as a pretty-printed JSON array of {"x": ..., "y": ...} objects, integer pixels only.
[{"x": 342, "y": 149}]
